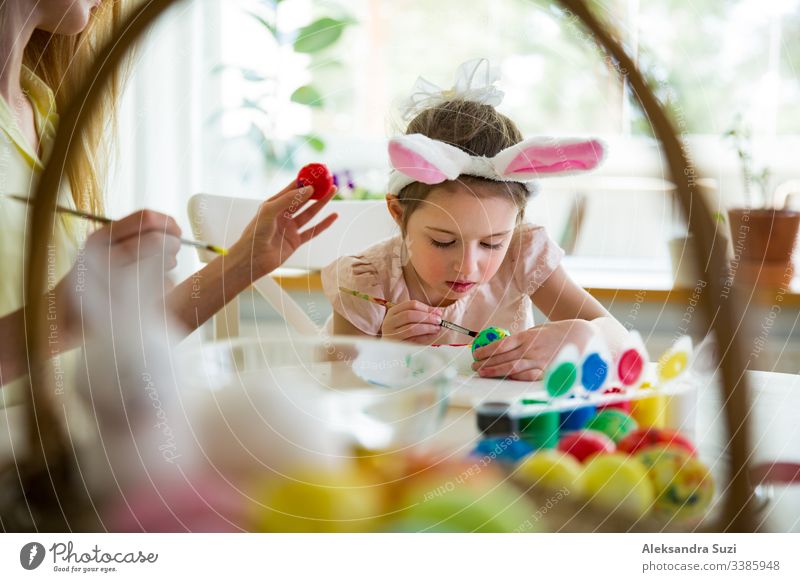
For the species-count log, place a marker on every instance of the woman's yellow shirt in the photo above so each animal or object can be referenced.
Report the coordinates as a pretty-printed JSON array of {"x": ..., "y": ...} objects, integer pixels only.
[{"x": 20, "y": 168}]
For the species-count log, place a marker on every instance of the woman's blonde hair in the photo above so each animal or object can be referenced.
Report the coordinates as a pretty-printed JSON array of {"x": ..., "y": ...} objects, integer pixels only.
[
  {"x": 63, "y": 62},
  {"x": 476, "y": 128}
]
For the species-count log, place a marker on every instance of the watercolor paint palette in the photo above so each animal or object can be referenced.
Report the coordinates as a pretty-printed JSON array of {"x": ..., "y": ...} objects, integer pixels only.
[
  {"x": 662, "y": 390},
  {"x": 579, "y": 383}
]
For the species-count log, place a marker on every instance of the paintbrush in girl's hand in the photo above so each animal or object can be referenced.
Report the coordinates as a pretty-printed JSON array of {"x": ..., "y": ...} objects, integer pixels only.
[
  {"x": 106, "y": 220},
  {"x": 389, "y": 305}
]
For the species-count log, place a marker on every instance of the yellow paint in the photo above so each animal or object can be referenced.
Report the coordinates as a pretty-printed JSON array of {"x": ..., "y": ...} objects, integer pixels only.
[{"x": 671, "y": 365}]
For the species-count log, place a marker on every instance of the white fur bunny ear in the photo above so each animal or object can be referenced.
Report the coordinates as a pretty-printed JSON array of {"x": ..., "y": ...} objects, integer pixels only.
[
  {"x": 425, "y": 160},
  {"x": 544, "y": 156}
]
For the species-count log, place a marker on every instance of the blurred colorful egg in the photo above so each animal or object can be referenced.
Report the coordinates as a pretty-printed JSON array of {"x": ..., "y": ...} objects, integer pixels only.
[
  {"x": 463, "y": 502},
  {"x": 318, "y": 502},
  {"x": 394, "y": 472},
  {"x": 619, "y": 483},
  {"x": 554, "y": 470},
  {"x": 613, "y": 423},
  {"x": 488, "y": 336},
  {"x": 684, "y": 487},
  {"x": 382, "y": 465},
  {"x": 646, "y": 437},
  {"x": 582, "y": 444}
]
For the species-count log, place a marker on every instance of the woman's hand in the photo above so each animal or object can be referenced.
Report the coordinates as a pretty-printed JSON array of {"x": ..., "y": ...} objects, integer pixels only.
[
  {"x": 140, "y": 236},
  {"x": 275, "y": 232},
  {"x": 526, "y": 355},
  {"x": 141, "y": 247},
  {"x": 270, "y": 238},
  {"x": 412, "y": 321}
]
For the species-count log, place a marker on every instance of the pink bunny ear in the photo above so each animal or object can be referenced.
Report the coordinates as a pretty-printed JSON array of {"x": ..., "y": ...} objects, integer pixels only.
[
  {"x": 425, "y": 160},
  {"x": 540, "y": 157}
]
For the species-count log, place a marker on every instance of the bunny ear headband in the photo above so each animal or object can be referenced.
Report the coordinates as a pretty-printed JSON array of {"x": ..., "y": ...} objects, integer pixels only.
[{"x": 418, "y": 158}]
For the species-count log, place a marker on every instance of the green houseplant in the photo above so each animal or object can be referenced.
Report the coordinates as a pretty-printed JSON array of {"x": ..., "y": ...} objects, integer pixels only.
[{"x": 314, "y": 39}]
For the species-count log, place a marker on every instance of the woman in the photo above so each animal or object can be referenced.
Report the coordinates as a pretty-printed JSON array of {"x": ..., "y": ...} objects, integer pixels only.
[{"x": 45, "y": 50}]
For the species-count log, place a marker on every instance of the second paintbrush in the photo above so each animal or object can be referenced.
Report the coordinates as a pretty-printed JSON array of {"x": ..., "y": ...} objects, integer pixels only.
[{"x": 106, "y": 220}]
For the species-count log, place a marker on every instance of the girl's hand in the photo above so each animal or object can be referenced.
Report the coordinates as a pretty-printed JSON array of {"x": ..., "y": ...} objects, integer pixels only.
[
  {"x": 526, "y": 355},
  {"x": 412, "y": 321},
  {"x": 274, "y": 234}
]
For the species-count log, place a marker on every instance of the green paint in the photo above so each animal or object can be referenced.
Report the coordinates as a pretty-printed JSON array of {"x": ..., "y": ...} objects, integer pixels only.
[{"x": 562, "y": 379}]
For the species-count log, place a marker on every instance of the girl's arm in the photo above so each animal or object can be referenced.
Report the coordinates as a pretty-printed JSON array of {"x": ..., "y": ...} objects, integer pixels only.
[{"x": 561, "y": 299}]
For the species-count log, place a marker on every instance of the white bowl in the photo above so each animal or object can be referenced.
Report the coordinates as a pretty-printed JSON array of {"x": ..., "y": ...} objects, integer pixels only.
[{"x": 313, "y": 400}]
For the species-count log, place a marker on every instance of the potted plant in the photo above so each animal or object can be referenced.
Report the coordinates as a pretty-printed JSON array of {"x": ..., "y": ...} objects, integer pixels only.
[
  {"x": 265, "y": 90},
  {"x": 762, "y": 234}
]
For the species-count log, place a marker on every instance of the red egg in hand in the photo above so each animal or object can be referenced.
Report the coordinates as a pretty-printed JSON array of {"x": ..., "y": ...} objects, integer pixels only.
[{"x": 318, "y": 176}]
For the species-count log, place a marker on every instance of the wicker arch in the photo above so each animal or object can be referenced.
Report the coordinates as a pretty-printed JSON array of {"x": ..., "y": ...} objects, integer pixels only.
[{"x": 44, "y": 475}]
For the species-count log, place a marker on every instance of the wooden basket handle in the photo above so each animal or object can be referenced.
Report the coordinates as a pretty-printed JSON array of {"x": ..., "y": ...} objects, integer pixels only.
[{"x": 47, "y": 440}]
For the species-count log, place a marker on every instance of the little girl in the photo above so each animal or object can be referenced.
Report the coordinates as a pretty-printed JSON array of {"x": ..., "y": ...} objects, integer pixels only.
[{"x": 461, "y": 179}]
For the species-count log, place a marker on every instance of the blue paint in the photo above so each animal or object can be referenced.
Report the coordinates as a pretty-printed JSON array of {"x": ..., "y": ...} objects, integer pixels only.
[{"x": 594, "y": 372}]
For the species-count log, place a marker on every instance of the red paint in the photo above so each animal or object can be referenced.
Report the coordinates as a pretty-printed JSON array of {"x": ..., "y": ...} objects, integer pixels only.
[
  {"x": 318, "y": 176},
  {"x": 630, "y": 367}
]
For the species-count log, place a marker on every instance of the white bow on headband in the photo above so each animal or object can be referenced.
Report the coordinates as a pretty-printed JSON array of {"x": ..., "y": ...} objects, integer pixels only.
[
  {"x": 475, "y": 81},
  {"x": 418, "y": 158}
]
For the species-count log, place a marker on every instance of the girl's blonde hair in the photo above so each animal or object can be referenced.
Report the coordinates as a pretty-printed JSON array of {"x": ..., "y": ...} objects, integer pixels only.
[
  {"x": 63, "y": 62},
  {"x": 476, "y": 128}
]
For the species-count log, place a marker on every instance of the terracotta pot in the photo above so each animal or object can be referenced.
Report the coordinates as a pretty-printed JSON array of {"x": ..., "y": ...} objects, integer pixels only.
[
  {"x": 766, "y": 234},
  {"x": 763, "y": 241}
]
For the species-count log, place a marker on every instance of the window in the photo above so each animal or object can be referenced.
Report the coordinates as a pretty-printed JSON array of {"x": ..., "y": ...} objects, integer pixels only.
[{"x": 714, "y": 61}]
